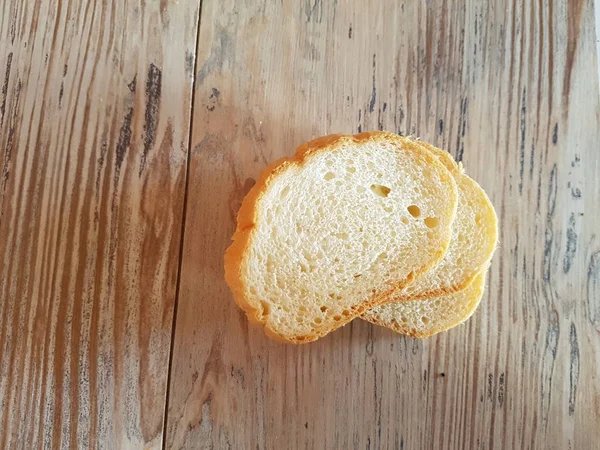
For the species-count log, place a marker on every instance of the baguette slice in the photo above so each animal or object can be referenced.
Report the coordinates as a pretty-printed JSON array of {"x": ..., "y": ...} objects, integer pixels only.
[
  {"x": 327, "y": 234},
  {"x": 424, "y": 318},
  {"x": 474, "y": 238}
]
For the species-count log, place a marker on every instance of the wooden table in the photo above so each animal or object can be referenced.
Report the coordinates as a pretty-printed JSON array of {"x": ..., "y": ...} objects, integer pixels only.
[{"x": 130, "y": 131}]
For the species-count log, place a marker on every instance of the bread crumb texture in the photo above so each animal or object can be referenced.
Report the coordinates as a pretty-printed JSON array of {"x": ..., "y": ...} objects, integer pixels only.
[
  {"x": 424, "y": 318},
  {"x": 337, "y": 229}
]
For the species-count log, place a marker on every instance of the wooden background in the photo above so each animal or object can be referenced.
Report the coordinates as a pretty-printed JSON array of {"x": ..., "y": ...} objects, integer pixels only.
[{"x": 130, "y": 131}]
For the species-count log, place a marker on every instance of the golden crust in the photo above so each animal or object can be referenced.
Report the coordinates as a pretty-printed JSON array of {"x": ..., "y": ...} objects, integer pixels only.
[
  {"x": 445, "y": 158},
  {"x": 247, "y": 216}
]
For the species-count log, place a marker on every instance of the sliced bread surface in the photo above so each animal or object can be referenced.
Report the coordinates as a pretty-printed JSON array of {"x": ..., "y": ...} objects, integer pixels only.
[
  {"x": 331, "y": 232},
  {"x": 474, "y": 238},
  {"x": 424, "y": 318}
]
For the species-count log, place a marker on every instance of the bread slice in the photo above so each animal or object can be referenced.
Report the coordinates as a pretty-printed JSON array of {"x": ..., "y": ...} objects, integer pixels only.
[
  {"x": 424, "y": 318},
  {"x": 328, "y": 233},
  {"x": 474, "y": 238}
]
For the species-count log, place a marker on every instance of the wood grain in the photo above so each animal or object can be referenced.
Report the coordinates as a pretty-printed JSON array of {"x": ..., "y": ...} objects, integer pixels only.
[
  {"x": 94, "y": 118},
  {"x": 511, "y": 89}
]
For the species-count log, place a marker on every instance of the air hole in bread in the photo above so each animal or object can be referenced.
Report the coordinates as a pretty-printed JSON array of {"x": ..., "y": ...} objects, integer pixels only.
[
  {"x": 318, "y": 320},
  {"x": 337, "y": 318},
  {"x": 324, "y": 308},
  {"x": 432, "y": 222},
  {"x": 343, "y": 236},
  {"x": 346, "y": 312},
  {"x": 351, "y": 169},
  {"x": 360, "y": 189},
  {"x": 414, "y": 210},
  {"x": 382, "y": 191},
  {"x": 338, "y": 183},
  {"x": 357, "y": 275},
  {"x": 370, "y": 165},
  {"x": 425, "y": 320},
  {"x": 379, "y": 175},
  {"x": 266, "y": 308},
  {"x": 285, "y": 191},
  {"x": 329, "y": 176},
  {"x": 403, "y": 319},
  {"x": 404, "y": 220},
  {"x": 388, "y": 209}
]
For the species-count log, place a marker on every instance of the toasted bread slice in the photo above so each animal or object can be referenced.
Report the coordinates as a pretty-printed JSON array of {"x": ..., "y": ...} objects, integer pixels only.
[
  {"x": 328, "y": 233},
  {"x": 424, "y": 318}
]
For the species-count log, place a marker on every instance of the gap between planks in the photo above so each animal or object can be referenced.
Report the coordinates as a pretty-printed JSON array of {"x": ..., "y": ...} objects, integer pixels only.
[{"x": 182, "y": 234}]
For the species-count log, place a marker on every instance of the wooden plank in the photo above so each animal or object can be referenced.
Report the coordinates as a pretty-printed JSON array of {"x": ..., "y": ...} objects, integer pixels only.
[
  {"x": 506, "y": 87},
  {"x": 597, "y": 10},
  {"x": 94, "y": 119}
]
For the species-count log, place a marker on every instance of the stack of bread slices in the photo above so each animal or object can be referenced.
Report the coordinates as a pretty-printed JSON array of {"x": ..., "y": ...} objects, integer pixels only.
[{"x": 377, "y": 226}]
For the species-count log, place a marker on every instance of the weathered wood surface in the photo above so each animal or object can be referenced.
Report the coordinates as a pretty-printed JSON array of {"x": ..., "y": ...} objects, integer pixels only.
[
  {"x": 511, "y": 89},
  {"x": 95, "y": 106},
  {"x": 94, "y": 118}
]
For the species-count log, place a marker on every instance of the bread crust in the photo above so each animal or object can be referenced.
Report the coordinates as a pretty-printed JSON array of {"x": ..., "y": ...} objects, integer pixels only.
[{"x": 247, "y": 217}]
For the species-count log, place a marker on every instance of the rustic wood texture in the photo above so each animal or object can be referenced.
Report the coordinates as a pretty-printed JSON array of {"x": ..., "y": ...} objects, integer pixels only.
[
  {"x": 94, "y": 119},
  {"x": 511, "y": 89},
  {"x": 95, "y": 102}
]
